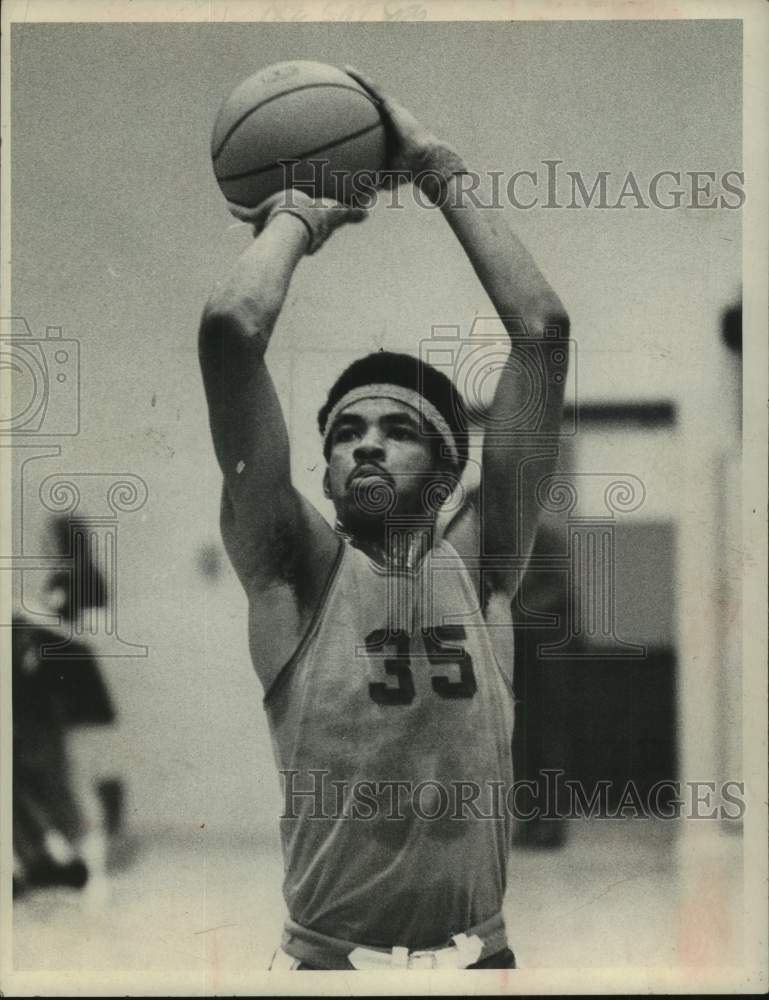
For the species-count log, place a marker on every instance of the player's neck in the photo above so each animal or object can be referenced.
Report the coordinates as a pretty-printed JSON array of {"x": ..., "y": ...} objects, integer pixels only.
[{"x": 394, "y": 546}]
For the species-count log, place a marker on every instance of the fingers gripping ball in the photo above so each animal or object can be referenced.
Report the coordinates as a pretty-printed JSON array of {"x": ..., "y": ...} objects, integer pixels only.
[{"x": 301, "y": 112}]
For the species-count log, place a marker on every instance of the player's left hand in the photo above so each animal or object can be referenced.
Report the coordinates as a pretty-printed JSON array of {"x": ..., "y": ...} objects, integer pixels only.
[{"x": 412, "y": 141}]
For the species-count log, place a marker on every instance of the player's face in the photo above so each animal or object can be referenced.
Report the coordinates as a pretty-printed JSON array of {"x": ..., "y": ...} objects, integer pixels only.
[{"x": 379, "y": 460}]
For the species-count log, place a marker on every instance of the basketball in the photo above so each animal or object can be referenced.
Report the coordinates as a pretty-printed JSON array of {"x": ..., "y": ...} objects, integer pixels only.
[{"x": 315, "y": 116}]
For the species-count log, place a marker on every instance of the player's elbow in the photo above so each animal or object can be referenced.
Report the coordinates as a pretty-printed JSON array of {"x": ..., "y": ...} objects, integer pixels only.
[
  {"x": 229, "y": 347},
  {"x": 553, "y": 316},
  {"x": 543, "y": 314},
  {"x": 229, "y": 312}
]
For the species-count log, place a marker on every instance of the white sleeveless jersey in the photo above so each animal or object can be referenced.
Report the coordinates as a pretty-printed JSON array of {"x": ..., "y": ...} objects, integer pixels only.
[{"x": 394, "y": 717}]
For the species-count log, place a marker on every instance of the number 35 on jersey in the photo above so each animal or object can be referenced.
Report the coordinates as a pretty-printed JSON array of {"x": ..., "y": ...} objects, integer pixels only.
[{"x": 451, "y": 666}]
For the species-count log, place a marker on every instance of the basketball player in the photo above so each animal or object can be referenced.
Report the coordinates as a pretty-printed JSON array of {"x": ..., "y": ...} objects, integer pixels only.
[{"x": 384, "y": 646}]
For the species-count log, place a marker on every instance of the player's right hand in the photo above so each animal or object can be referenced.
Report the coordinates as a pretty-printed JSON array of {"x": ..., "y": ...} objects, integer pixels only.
[
  {"x": 257, "y": 216},
  {"x": 321, "y": 216}
]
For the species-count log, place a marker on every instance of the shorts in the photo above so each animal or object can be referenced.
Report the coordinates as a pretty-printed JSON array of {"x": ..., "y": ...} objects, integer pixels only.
[
  {"x": 504, "y": 959},
  {"x": 304, "y": 949}
]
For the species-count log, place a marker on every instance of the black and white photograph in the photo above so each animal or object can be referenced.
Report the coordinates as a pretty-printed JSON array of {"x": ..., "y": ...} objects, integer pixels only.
[{"x": 384, "y": 498}]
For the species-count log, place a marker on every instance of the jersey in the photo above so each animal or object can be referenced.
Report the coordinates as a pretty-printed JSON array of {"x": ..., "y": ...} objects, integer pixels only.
[{"x": 392, "y": 727}]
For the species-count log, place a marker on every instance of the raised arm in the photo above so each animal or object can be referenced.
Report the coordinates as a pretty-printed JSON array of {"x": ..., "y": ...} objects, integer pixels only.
[
  {"x": 502, "y": 520},
  {"x": 521, "y": 451},
  {"x": 281, "y": 547}
]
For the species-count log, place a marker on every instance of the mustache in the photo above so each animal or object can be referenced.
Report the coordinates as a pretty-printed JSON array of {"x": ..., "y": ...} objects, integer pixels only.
[{"x": 367, "y": 468}]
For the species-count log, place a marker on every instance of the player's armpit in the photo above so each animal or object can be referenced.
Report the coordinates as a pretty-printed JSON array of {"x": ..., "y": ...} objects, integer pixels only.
[
  {"x": 271, "y": 533},
  {"x": 513, "y": 464},
  {"x": 284, "y": 577},
  {"x": 285, "y": 572},
  {"x": 287, "y": 542},
  {"x": 462, "y": 531}
]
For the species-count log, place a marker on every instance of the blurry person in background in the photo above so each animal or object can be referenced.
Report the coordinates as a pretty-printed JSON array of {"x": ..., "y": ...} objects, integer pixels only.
[{"x": 54, "y": 814}]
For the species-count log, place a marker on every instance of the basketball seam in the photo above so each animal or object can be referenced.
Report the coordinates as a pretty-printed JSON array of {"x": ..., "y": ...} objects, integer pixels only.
[
  {"x": 284, "y": 93},
  {"x": 300, "y": 156}
]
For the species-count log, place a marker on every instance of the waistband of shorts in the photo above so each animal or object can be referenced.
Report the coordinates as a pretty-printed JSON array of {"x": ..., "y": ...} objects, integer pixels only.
[{"x": 327, "y": 952}]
